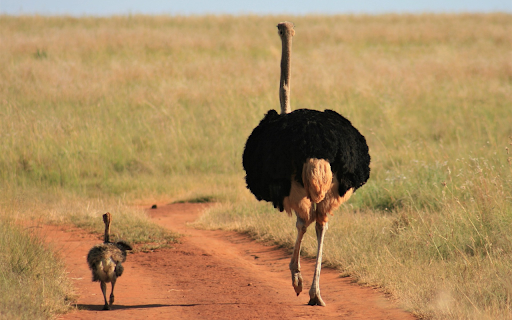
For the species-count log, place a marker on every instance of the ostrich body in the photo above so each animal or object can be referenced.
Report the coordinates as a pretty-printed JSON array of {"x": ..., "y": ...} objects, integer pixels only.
[
  {"x": 305, "y": 161},
  {"x": 105, "y": 261}
]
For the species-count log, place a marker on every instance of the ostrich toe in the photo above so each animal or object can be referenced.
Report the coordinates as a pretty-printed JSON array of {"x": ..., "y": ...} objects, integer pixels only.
[
  {"x": 297, "y": 282},
  {"x": 316, "y": 299}
]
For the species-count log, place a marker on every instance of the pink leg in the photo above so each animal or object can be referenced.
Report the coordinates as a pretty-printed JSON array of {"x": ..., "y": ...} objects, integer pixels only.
[
  {"x": 314, "y": 292},
  {"x": 295, "y": 261}
]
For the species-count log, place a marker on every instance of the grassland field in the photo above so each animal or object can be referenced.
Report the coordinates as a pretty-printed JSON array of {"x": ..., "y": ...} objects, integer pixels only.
[{"x": 101, "y": 114}]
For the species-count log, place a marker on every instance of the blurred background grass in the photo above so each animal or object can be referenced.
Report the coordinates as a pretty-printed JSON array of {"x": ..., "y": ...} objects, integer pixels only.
[{"x": 99, "y": 113}]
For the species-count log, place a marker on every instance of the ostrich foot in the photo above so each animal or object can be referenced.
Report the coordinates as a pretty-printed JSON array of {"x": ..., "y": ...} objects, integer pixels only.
[
  {"x": 297, "y": 282},
  {"x": 106, "y": 307},
  {"x": 111, "y": 299},
  {"x": 316, "y": 300}
]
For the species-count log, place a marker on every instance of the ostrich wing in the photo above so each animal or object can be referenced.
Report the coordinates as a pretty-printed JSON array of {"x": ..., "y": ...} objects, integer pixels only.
[{"x": 266, "y": 161}]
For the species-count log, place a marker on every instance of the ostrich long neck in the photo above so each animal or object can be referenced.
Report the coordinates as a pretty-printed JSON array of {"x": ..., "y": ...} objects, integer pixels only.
[
  {"x": 107, "y": 232},
  {"x": 284, "y": 88},
  {"x": 107, "y": 219}
]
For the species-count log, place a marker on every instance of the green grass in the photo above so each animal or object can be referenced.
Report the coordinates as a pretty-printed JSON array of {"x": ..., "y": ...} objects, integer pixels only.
[{"x": 97, "y": 114}]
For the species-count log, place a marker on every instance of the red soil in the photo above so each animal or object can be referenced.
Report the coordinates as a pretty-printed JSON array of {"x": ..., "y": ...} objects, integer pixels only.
[{"x": 210, "y": 275}]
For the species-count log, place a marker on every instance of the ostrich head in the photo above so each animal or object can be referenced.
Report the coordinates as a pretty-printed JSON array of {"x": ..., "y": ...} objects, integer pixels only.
[{"x": 285, "y": 29}]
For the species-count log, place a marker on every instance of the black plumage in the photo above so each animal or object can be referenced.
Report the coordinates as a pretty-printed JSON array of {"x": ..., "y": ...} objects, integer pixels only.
[{"x": 279, "y": 146}]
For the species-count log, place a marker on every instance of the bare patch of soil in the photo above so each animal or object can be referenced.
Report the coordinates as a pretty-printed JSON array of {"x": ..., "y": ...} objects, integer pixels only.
[{"x": 210, "y": 275}]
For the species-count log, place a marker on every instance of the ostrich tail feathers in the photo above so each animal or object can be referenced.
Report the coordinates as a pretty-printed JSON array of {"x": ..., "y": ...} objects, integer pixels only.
[{"x": 317, "y": 178}]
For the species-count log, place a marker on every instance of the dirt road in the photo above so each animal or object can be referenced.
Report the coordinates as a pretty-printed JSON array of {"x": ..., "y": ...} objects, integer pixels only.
[{"x": 210, "y": 275}]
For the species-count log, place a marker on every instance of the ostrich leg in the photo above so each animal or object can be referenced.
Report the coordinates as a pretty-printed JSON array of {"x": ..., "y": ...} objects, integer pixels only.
[
  {"x": 103, "y": 286},
  {"x": 112, "y": 293},
  {"x": 295, "y": 262},
  {"x": 314, "y": 292}
]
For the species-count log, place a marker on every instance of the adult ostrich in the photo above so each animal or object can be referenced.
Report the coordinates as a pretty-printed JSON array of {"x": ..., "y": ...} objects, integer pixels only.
[
  {"x": 305, "y": 161},
  {"x": 105, "y": 261}
]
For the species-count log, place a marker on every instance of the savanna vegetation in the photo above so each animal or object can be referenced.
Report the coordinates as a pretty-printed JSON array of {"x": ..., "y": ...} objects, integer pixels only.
[{"x": 101, "y": 114}]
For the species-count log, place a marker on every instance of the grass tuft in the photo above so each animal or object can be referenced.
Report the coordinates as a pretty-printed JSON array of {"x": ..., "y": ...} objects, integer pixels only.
[
  {"x": 198, "y": 199},
  {"x": 33, "y": 280}
]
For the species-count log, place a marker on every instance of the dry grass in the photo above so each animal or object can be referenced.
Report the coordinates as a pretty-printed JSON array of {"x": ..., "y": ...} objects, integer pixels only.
[
  {"x": 32, "y": 278},
  {"x": 136, "y": 108}
]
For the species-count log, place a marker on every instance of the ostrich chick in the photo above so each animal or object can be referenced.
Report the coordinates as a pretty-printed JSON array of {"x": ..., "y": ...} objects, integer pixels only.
[{"x": 105, "y": 261}]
